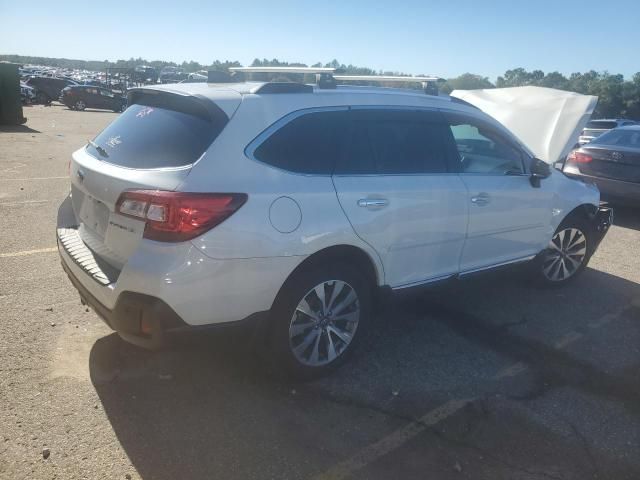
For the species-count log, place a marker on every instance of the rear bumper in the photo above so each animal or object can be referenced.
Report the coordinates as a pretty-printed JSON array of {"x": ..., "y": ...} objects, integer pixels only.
[
  {"x": 147, "y": 321},
  {"x": 138, "y": 318},
  {"x": 169, "y": 287},
  {"x": 614, "y": 191}
]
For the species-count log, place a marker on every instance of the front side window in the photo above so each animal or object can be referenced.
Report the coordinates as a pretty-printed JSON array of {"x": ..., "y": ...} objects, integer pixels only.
[
  {"x": 307, "y": 144},
  {"x": 481, "y": 148},
  {"x": 394, "y": 142}
]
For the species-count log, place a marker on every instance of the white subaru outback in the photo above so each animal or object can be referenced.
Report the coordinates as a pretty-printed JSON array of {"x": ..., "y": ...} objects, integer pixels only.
[{"x": 294, "y": 205}]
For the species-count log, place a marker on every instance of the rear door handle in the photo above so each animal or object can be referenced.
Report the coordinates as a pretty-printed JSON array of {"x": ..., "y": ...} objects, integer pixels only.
[
  {"x": 373, "y": 202},
  {"x": 481, "y": 199}
]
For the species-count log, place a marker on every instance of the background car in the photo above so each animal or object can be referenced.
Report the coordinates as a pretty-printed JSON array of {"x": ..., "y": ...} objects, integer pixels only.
[
  {"x": 27, "y": 93},
  {"x": 595, "y": 128},
  {"x": 79, "y": 97},
  {"x": 145, "y": 74},
  {"x": 172, "y": 75},
  {"x": 48, "y": 88},
  {"x": 612, "y": 162}
]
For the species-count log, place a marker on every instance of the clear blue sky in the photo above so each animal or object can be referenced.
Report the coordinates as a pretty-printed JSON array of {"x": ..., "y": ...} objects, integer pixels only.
[{"x": 445, "y": 37}]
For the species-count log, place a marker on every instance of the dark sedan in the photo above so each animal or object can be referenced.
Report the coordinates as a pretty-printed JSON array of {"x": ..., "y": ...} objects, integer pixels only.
[
  {"x": 87, "y": 96},
  {"x": 612, "y": 162}
]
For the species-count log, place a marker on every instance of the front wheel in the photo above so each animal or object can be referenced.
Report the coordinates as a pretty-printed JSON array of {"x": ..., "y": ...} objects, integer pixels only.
[
  {"x": 567, "y": 254},
  {"x": 319, "y": 318},
  {"x": 80, "y": 105}
]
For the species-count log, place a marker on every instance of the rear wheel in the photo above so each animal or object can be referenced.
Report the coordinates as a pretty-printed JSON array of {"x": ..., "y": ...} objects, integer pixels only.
[
  {"x": 567, "y": 254},
  {"x": 80, "y": 105},
  {"x": 43, "y": 98},
  {"x": 319, "y": 318}
]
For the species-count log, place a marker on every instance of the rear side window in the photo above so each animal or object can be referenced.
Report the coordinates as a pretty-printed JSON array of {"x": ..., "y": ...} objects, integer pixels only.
[
  {"x": 158, "y": 134},
  {"x": 307, "y": 144},
  {"x": 394, "y": 142},
  {"x": 619, "y": 137}
]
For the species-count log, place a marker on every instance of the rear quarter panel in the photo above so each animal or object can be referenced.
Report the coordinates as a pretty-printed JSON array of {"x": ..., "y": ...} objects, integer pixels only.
[{"x": 250, "y": 232}]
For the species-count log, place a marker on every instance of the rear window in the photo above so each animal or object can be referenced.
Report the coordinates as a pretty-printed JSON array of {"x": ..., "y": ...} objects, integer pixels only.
[
  {"x": 158, "y": 134},
  {"x": 622, "y": 138},
  {"x": 601, "y": 125}
]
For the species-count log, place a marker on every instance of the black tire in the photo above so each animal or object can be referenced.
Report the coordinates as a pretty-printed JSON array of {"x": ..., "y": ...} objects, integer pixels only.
[
  {"x": 80, "y": 105},
  {"x": 43, "y": 98},
  {"x": 297, "y": 288},
  {"x": 545, "y": 264}
]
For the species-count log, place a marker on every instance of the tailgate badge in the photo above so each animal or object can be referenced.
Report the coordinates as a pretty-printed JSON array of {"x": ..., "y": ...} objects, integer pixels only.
[{"x": 617, "y": 156}]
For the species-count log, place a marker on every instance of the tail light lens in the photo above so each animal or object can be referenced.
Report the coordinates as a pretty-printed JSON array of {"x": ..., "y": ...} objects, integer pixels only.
[
  {"x": 178, "y": 216},
  {"x": 579, "y": 157}
]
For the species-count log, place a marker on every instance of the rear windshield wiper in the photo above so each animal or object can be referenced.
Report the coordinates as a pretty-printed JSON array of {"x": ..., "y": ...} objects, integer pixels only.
[{"x": 100, "y": 150}]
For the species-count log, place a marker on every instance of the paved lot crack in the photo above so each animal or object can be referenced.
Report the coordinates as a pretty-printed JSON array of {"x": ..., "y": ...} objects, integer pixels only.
[{"x": 552, "y": 367}]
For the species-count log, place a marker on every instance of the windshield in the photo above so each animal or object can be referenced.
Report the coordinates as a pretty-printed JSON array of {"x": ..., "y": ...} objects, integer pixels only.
[
  {"x": 147, "y": 136},
  {"x": 619, "y": 137}
]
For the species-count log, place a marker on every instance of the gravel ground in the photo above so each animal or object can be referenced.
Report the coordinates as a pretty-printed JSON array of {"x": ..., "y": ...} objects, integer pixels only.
[{"x": 486, "y": 379}]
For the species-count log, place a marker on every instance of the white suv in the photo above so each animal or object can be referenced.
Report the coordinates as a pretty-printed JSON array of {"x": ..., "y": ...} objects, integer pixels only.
[{"x": 293, "y": 205}]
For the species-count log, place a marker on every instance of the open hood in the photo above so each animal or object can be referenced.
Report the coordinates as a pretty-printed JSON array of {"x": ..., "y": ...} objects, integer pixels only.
[{"x": 546, "y": 120}]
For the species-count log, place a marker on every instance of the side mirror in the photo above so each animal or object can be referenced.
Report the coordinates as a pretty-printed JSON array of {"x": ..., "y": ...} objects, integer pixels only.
[{"x": 539, "y": 171}]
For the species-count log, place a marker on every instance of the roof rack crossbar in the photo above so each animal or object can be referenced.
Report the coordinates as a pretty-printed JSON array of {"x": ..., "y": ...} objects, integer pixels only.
[
  {"x": 386, "y": 78},
  {"x": 317, "y": 70},
  {"x": 429, "y": 83},
  {"x": 326, "y": 77}
]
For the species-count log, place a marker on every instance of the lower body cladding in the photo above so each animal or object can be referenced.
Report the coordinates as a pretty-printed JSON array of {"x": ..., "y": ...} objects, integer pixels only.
[{"x": 175, "y": 287}]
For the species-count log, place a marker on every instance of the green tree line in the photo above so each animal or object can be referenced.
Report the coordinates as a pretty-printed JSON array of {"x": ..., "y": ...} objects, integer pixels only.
[{"x": 617, "y": 97}]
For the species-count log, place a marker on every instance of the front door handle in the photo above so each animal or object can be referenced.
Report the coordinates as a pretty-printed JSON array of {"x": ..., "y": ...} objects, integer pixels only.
[
  {"x": 481, "y": 199},
  {"x": 373, "y": 202}
]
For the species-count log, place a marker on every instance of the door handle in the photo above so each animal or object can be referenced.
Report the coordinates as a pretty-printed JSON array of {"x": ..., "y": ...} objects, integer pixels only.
[
  {"x": 481, "y": 199},
  {"x": 373, "y": 202}
]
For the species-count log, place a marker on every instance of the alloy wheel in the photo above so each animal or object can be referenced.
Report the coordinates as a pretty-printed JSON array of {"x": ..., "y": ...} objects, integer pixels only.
[
  {"x": 565, "y": 254},
  {"x": 324, "y": 323}
]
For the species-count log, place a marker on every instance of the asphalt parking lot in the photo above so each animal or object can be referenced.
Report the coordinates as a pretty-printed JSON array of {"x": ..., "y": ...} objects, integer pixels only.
[{"x": 486, "y": 379}]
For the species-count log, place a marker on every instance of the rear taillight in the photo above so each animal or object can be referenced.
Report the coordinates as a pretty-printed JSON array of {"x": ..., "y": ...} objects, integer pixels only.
[
  {"x": 178, "y": 216},
  {"x": 578, "y": 157}
]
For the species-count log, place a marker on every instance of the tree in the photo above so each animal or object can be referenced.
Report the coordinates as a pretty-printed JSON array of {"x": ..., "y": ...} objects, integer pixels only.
[{"x": 466, "y": 81}]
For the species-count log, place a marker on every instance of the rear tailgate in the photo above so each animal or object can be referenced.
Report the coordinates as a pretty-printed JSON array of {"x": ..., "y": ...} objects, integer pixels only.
[{"x": 152, "y": 145}]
